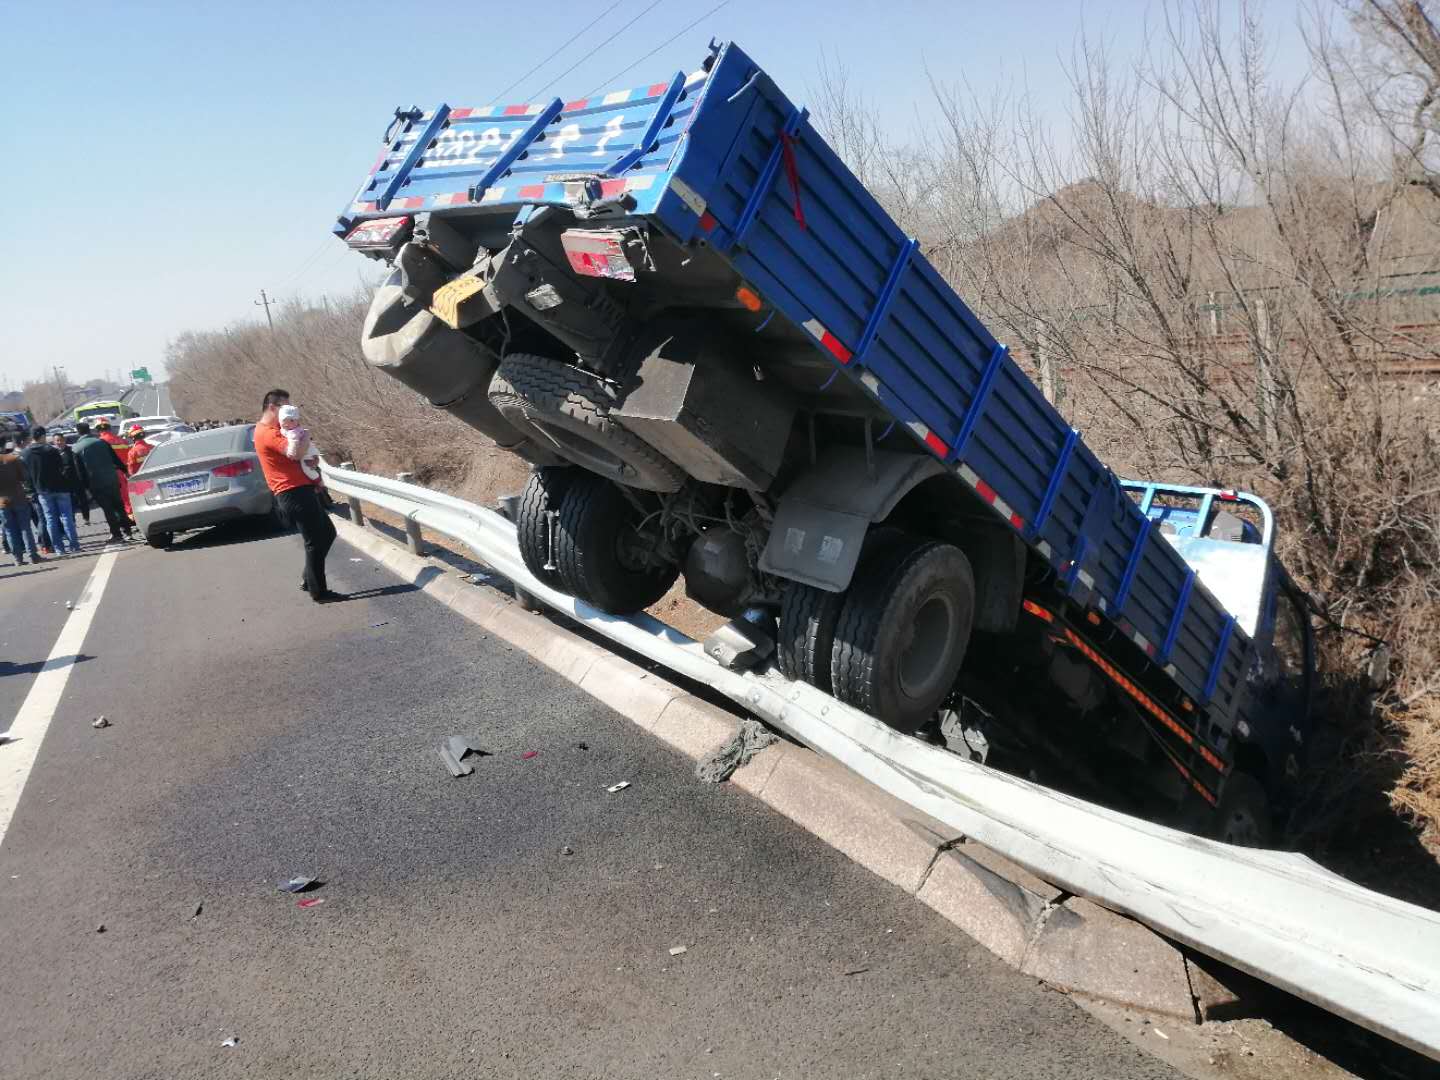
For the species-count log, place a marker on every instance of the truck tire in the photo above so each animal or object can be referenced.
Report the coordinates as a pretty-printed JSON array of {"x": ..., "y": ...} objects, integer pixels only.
[
  {"x": 571, "y": 414},
  {"x": 902, "y": 633},
  {"x": 807, "y": 633},
  {"x": 597, "y": 563},
  {"x": 1243, "y": 817},
  {"x": 544, "y": 491}
]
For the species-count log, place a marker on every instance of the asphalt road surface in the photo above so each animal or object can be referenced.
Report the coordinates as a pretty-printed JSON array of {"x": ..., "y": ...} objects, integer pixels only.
[
  {"x": 256, "y": 736},
  {"x": 151, "y": 399}
]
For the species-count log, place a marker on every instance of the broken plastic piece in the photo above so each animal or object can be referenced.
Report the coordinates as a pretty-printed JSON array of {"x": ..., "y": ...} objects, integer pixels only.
[
  {"x": 567, "y": 850},
  {"x": 198, "y": 909},
  {"x": 313, "y": 901},
  {"x": 231, "y": 1042},
  {"x": 100, "y": 929},
  {"x": 621, "y": 786},
  {"x": 382, "y": 622},
  {"x": 299, "y": 884},
  {"x": 678, "y": 949},
  {"x": 528, "y": 754},
  {"x": 99, "y": 722},
  {"x": 456, "y": 749}
]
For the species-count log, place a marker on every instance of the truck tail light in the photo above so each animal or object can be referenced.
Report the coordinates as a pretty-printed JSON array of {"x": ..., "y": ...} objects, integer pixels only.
[
  {"x": 379, "y": 234},
  {"x": 599, "y": 253},
  {"x": 241, "y": 467}
]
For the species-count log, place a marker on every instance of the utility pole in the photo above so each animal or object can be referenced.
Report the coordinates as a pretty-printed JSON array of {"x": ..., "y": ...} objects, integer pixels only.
[{"x": 265, "y": 302}]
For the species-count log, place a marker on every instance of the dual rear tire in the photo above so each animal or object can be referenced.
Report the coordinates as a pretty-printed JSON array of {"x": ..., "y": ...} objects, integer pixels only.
[
  {"x": 580, "y": 534},
  {"x": 892, "y": 644}
]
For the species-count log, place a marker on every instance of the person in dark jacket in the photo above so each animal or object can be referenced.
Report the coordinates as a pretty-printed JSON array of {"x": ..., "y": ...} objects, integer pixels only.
[
  {"x": 37, "y": 515},
  {"x": 70, "y": 470},
  {"x": 15, "y": 507},
  {"x": 47, "y": 479},
  {"x": 100, "y": 470}
]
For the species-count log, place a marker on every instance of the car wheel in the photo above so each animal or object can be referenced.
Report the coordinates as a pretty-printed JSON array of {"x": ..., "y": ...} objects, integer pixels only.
[
  {"x": 903, "y": 632},
  {"x": 603, "y": 559}
]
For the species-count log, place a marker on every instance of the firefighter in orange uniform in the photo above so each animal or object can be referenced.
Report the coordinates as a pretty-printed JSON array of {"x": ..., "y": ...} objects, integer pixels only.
[{"x": 122, "y": 449}]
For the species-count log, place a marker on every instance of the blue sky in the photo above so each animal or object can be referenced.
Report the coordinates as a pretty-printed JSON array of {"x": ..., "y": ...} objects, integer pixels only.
[{"x": 168, "y": 161}]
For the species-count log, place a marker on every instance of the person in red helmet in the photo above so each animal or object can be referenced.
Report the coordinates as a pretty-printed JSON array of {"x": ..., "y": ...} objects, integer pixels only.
[
  {"x": 122, "y": 449},
  {"x": 139, "y": 449}
]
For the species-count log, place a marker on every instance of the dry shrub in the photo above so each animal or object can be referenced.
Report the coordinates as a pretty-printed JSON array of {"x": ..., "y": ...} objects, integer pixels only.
[{"x": 354, "y": 412}]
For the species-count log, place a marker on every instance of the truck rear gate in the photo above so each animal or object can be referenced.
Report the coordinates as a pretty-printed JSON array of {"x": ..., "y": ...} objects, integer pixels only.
[{"x": 722, "y": 158}]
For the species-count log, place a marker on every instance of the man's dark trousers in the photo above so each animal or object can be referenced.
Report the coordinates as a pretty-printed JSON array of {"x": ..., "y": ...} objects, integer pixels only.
[{"x": 301, "y": 508}]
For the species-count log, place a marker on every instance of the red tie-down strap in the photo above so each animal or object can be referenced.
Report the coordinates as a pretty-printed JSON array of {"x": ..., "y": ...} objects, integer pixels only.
[{"x": 792, "y": 170}]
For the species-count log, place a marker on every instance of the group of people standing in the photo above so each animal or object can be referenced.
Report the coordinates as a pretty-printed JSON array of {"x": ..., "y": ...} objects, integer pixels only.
[{"x": 44, "y": 483}]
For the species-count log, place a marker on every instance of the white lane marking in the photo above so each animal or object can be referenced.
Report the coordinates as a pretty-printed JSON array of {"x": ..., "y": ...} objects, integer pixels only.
[{"x": 17, "y": 757}]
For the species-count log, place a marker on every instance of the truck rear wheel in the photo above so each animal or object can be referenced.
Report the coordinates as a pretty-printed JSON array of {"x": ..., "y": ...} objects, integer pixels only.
[
  {"x": 902, "y": 633},
  {"x": 543, "y": 492},
  {"x": 603, "y": 558},
  {"x": 807, "y": 633},
  {"x": 1243, "y": 817},
  {"x": 571, "y": 414}
]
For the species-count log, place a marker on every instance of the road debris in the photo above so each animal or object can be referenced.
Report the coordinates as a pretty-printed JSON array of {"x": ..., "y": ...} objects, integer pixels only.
[
  {"x": 720, "y": 764},
  {"x": 1161, "y": 1034},
  {"x": 231, "y": 1043},
  {"x": 309, "y": 902},
  {"x": 199, "y": 907},
  {"x": 621, "y": 786},
  {"x": 354, "y": 558},
  {"x": 528, "y": 754},
  {"x": 69, "y": 605},
  {"x": 678, "y": 950},
  {"x": 100, "y": 929},
  {"x": 382, "y": 622},
  {"x": 567, "y": 850},
  {"x": 299, "y": 884},
  {"x": 456, "y": 749},
  {"x": 481, "y": 579},
  {"x": 582, "y": 746},
  {"x": 99, "y": 722},
  {"x": 857, "y": 971}
]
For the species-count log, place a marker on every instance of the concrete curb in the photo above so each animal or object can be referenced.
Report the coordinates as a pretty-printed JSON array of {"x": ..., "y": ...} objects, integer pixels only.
[{"x": 1065, "y": 941}]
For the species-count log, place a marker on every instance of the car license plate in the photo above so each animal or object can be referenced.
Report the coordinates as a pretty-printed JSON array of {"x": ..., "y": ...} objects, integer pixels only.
[{"x": 183, "y": 487}]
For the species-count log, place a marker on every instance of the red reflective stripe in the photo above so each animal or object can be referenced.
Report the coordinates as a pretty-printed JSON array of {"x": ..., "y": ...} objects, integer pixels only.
[
  {"x": 657, "y": 89},
  {"x": 1017, "y": 522},
  {"x": 532, "y": 191},
  {"x": 367, "y": 208},
  {"x": 516, "y": 110},
  {"x": 609, "y": 188},
  {"x": 985, "y": 491},
  {"x": 937, "y": 444},
  {"x": 576, "y": 106},
  {"x": 413, "y": 202},
  {"x": 460, "y": 114},
  {"x": 837, "y": 350},
  {"x": 707, "y": 221}
]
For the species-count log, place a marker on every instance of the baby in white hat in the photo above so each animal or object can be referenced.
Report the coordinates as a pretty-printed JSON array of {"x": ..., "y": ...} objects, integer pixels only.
[{"x": 297, "y": 439}]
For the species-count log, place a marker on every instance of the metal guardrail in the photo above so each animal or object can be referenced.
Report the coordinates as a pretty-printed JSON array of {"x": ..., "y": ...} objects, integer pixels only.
[{"x": 1277, "y": 915}]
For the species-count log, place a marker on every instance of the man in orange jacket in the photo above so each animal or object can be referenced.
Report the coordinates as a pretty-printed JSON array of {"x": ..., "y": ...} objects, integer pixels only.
[{"x": 297, "y": 495}]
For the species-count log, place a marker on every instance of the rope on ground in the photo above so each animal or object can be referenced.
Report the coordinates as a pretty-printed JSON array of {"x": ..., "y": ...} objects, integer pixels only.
[{"x": 721, "y": 763}]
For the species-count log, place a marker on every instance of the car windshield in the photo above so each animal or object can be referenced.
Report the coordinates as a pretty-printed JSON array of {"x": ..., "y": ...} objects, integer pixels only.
[{"x": 205, "y": 444}]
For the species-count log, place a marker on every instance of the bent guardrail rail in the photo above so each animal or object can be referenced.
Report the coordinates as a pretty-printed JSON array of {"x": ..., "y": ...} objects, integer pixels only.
[{"x": 1277, "y": 915}]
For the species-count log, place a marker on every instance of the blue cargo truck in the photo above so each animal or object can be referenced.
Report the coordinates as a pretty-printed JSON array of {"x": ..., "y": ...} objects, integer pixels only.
[{"x": 725, "y": 361}]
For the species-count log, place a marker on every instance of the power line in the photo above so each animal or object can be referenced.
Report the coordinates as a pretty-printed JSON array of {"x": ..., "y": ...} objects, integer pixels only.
[
  {"x": 597, "y": 48},
  {"x": 612, "y": 79},
  {"x": 500, "y": 97}
]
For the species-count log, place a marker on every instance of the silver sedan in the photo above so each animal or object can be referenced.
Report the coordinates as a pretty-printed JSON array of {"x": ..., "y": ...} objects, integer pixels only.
[{"x": 207, "y": 478}]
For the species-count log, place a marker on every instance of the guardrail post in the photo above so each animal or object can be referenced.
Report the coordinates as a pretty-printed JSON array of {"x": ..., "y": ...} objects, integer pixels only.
[
  {"x": 509, "y": 506},
  {"x": 413, "y": 540},
  {"x": 357, "y": 515}
]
